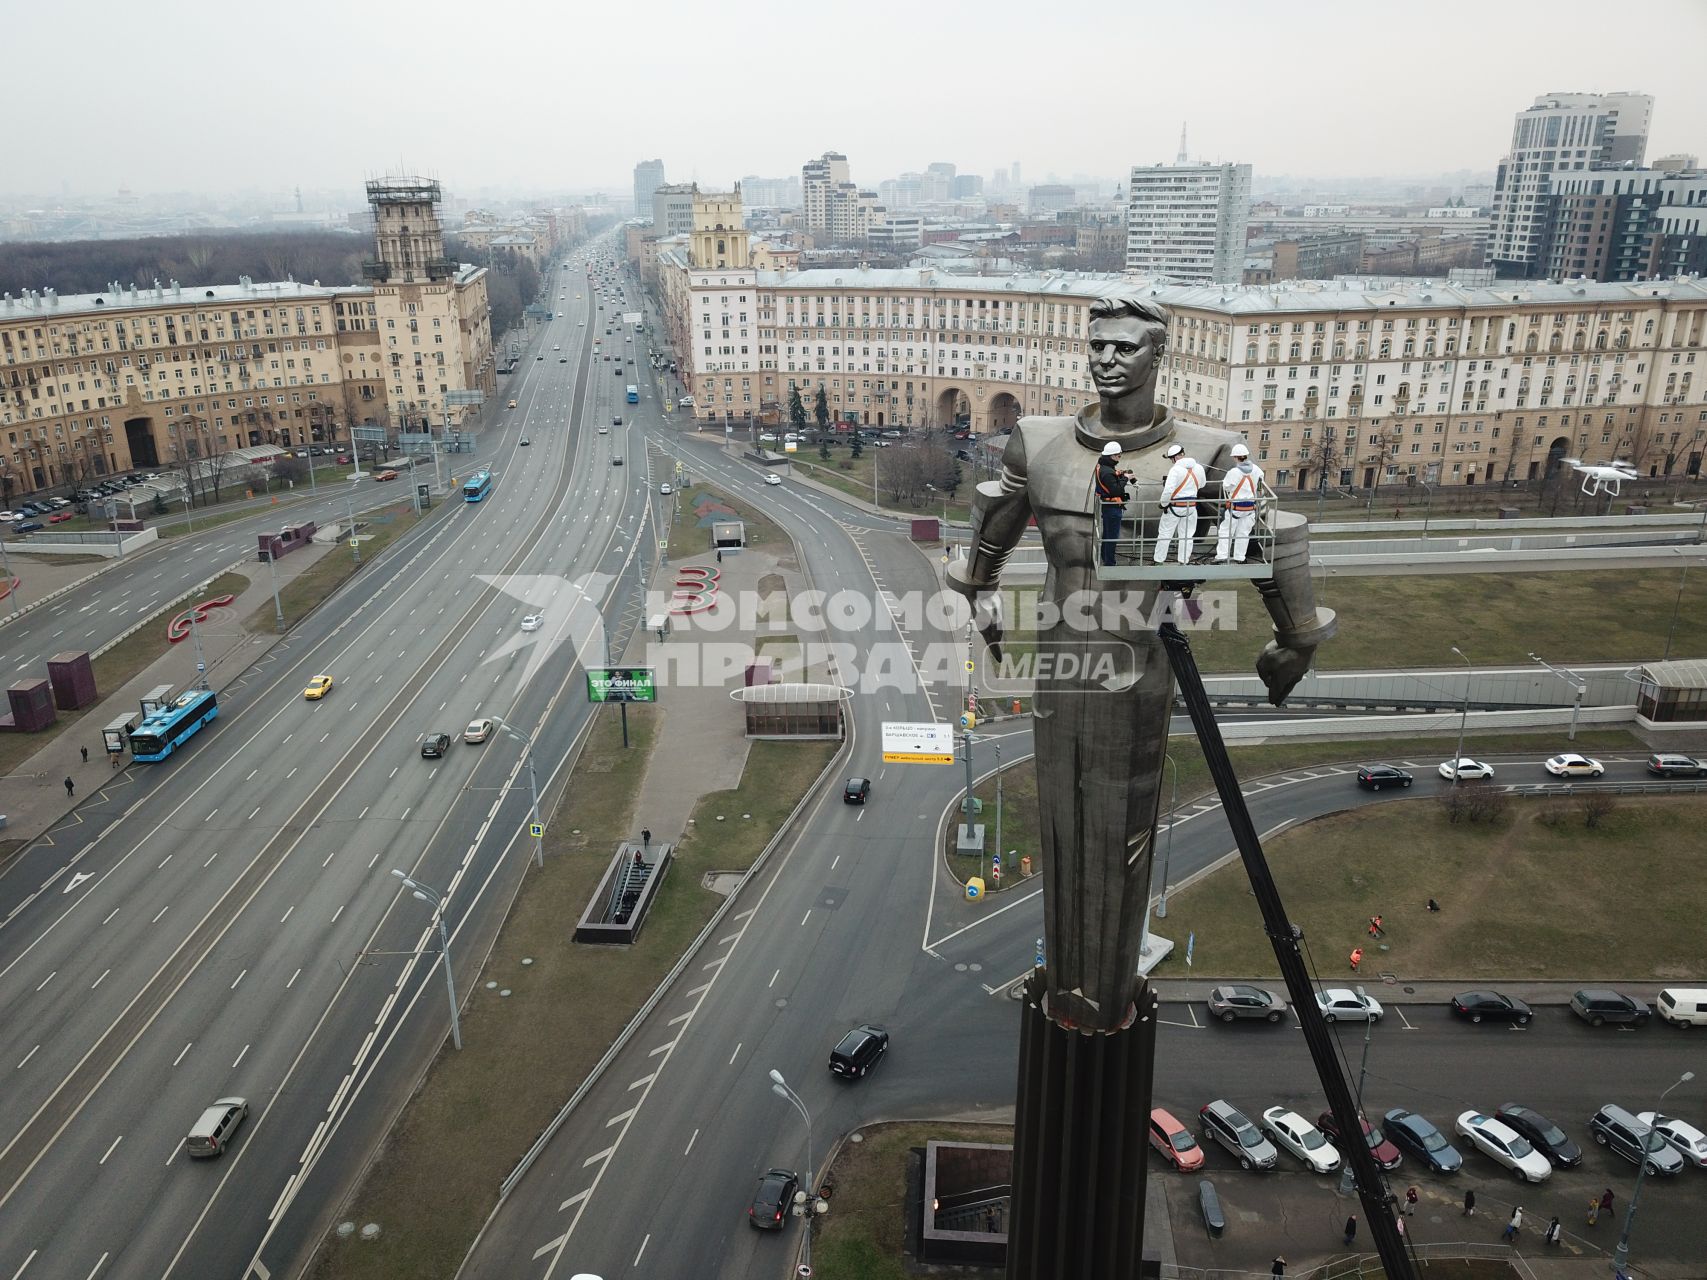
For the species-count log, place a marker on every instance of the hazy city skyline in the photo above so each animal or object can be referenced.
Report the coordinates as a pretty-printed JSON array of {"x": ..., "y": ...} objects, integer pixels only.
[{"x": 553, "y": 101}]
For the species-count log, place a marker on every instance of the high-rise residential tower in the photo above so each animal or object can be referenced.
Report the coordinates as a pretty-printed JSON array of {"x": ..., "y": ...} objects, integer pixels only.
[
  {"x": 1561, "y": 134},
  {"x": 648, "y": 177},
  {"x": 1187, "y": 221}
]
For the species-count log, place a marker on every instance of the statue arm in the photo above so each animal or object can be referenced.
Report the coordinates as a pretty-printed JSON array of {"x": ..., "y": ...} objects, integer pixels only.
[
  {"x": 1001, "y": 510},
  {"x": 1300, "y": 624}
]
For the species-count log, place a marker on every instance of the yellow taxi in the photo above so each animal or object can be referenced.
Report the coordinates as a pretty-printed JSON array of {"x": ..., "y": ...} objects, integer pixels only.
[{"x": 317, "y": 688}]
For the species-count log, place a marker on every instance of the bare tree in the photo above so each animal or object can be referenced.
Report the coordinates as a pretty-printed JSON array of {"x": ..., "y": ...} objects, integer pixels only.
[
  {"x": 1387, "y": 445},
  {"x": 1596, "y": 806}
]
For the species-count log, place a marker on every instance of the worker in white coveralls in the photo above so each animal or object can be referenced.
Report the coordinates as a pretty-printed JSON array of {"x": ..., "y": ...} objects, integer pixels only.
[
  {"x": 1241, "y": 488},
  {"x": 1179, "y": 504}
]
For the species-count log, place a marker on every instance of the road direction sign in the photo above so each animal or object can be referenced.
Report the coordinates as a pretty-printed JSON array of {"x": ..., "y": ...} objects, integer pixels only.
[
  {"x": 910, "y": 742},
  {"x": 536, "y": 829}
]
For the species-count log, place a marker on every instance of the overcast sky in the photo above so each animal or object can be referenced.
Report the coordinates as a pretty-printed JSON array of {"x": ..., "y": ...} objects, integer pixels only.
[{"x": 182, "y": 95}]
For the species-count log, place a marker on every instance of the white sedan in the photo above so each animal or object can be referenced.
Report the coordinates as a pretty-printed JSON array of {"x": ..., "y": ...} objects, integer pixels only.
[
  {"x": 665, "y": 490},
  {"x": 1340, "y": 1002},
  {"x": 1505, "y": 1145},
  {"x": 1292, "y": 1132},
  {"x": 1571, "y": 765},
  {"x": 531, "y": 622},
  {"x": 1465, "y": 768},
  {"x": 773, "y": 478},
  {"x": 1683, "y": 1137}
]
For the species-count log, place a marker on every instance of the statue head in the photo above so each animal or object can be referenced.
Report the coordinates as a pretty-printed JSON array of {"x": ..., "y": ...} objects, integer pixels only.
[{"x": 1128, "y": 337}]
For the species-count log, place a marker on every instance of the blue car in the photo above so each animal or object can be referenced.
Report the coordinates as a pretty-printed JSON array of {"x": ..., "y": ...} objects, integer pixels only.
[
  {"x": 1416, "y": 1135},
  {"x": 28, "y": 526}
]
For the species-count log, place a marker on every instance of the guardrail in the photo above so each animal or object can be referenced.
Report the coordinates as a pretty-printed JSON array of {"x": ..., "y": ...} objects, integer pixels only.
[{"x": 1668, "y": 787}]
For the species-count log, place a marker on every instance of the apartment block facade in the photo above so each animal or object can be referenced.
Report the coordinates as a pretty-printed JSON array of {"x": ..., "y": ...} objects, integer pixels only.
[
  {"x": 1366, "y": 386},
  {"x": 98, "y": 384},
  {"x": 1187, "y": 221}
]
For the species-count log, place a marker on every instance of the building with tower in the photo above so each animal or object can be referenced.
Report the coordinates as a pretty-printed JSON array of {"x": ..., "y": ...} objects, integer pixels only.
[
  {"x": 99, "y": 384},
  {"x": 432, "y": 316},
  {"x": 1560, "y": 135},
  {"x": 648, "y": 177}
]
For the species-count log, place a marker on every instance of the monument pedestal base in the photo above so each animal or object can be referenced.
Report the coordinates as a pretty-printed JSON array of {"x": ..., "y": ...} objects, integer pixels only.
[{"x": 1081, "y": 1143}]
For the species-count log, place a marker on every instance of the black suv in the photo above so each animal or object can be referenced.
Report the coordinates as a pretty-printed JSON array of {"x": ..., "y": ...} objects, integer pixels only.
[
  {"x": 1545, "y": 1136},
  {"x": 772, "y": 1200},
  {"x": 857, "y": 791},
  {"x": 858, "y": 1051},
  {"x": 1598, "y": 1005},
  {"x": 1375, "y": 776},
  {"x": 434, "y": 745}
]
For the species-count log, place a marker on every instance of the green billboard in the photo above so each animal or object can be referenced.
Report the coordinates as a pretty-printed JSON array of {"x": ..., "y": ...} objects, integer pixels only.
[{"x": 621, "y": 684}]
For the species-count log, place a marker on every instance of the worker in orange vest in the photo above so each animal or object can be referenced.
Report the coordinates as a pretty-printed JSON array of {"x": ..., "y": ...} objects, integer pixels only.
[{"x": 1356, "y": 958}]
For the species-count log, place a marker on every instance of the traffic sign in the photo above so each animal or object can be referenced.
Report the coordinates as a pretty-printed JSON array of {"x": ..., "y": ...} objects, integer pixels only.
[
  {"x": 917, "y": 743},
  {"x": 996, "y": 863},
  {"x": 536, "y": 829},
  {"x": 974, "y": 887}
]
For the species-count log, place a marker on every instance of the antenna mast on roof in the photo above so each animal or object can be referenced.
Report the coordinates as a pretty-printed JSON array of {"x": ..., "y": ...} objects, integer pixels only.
[{"x": 1181, "y": 158}]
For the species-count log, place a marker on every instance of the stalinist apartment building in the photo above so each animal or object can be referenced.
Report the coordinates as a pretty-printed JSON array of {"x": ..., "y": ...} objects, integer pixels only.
[
  {"x": 1372, "y": 384},
  {"x": 98, "y": 384}
]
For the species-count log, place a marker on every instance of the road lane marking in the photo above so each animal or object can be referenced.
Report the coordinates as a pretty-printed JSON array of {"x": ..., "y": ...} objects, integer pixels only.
[
  {"x": 98, "y": 981},
  {"x": 774, "y": 977},
  {"x": 644, "y": 1080},
  {"x": 293, "y": 978},
  {"x": 735, "y": 1055},
  {"x": 27, "y": 1057},
  {"x": 549, "y": 1245},
  {"x": 595, "y": 1158},
  {"x": 182, "y": 1052},
  {"x": 238, "y": 979},
  {"x": 643, "y": 1244},
  {"x": 618, "y": 1119},
  {"x": 663, "y": 1048},
  {"x": 806, "y": 917},
  {"x": 240, "y": 1057}
]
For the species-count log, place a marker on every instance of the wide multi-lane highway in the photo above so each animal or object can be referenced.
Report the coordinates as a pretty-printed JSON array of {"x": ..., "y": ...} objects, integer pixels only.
[{"x": 225, "y": 923}]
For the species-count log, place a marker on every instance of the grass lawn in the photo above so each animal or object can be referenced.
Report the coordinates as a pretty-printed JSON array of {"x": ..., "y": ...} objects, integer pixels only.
[
  {"x": 1019, "y": 781},
  {"x": 1336, "y": 872},
  {"x": 688, "y": 539},
  {"x": 113, "y": 669},
  {"x": 437, "y": 1174},
  {"x": 1498, "y": 619},
  {"x": 861, "y": 1237},
  {"x": 853, "y": 477}
]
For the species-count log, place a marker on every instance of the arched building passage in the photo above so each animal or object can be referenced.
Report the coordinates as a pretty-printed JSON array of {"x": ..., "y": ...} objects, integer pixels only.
[{"x": 1004, "y": 413}]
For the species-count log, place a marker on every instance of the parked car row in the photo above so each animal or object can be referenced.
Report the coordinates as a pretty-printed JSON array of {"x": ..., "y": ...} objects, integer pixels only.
[
  {"x": 1518, "y": 1138},
  {"x": 1597, "y": 1006}
]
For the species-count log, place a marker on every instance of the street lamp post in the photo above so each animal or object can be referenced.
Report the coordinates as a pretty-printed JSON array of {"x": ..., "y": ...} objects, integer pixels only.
[
  {"x": 11, "y": 582},
  {"x": 1463, "y": 715},
  {"x": 1578, "y": 689},
  {"x": 273, "y": 573},
  {"x": 437, "y": 900},
  {"x": 1621, "y": 1254},
  {"x": 1168, "y": 849},
  {"x": 350, "y": 511},
  {"x": 806, "y": 1201},
  {"x": 533, "y": 786}
]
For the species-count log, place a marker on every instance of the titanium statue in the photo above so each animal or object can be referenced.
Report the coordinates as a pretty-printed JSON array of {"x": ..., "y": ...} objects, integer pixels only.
[{"x": 1101, "y": 726}]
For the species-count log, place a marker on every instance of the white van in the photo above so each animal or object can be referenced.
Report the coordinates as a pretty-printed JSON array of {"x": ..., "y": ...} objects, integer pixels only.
[{"x": 1683, "y": 1006}]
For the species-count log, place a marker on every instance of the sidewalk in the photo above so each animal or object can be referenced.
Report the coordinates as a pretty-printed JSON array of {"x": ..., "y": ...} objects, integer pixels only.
[
  {"x": 34, "y": 798},
  {"x": 701, "y": 746}
]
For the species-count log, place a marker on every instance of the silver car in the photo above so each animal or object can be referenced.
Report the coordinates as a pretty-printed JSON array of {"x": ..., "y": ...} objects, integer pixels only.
[
  {"x": 1239, "y": 1001},
  {"x": 1227, "y": 1125}
]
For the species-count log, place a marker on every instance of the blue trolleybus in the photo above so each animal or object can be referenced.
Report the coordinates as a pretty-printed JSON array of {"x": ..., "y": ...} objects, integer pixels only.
[
  {"x": 478, "y": 486},
  {"x": 169, "y": 724}
]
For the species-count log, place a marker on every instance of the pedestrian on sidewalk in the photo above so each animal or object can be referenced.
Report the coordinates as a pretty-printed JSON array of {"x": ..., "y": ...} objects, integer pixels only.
[
  {"x": 1606, "y": 1202},
  {"x": 1277, "y": 1267},
  {"x": 1350, "y": 1230},
  {"x": 1514, "y": 1225},
  {"x": 85, "y": 751},
  {"x": 1469, "y": 1203},
  {"x": 645, "y": 837},
  {"x": 1554, "y": 1231},
  {"x": 70, "y": 787},
  {"x": 1411, "y": 1198},
  {"x": 1593, "y": 1211}
]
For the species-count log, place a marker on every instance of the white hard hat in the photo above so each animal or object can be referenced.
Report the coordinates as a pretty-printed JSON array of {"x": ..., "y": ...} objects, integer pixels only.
[
  {"x": 1111, "y": 448},
  {"x": 1239, "y": 451},
  {"x": 1173, "y": 451}
]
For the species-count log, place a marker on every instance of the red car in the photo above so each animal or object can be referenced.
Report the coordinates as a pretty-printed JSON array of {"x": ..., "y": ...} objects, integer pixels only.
[
  {"x": 60, "y": 517},
  {"x": 1174, "y": 1141},
  {"x": 387, "y": 474},
  {"x": 1385, "y": 1153}
]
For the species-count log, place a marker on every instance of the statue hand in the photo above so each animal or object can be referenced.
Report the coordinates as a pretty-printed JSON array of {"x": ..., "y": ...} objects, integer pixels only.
[{"x": 1281, "y": 669}]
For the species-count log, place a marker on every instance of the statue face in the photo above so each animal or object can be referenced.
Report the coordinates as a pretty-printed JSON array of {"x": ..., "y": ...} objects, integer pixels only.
[{"x": 1123, "y": 355}]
